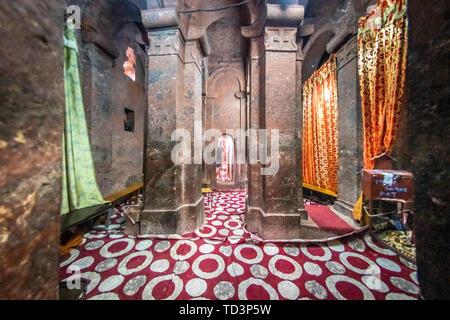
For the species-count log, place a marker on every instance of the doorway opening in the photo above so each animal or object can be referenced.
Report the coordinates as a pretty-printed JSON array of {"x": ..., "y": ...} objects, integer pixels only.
[{"x": 225, "y": 160}]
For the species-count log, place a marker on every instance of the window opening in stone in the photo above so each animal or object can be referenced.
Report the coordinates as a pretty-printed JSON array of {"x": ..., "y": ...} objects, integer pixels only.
[
  {"x": 129, "y": 65},
  {"x": 129, "y": 120}
]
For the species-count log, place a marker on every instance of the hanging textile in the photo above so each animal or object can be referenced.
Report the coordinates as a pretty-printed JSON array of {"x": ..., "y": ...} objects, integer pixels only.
[
  {"x": 320, "y": 155},
  {"x": 382, "y": 53},
  {"x": 80, "y": 188}
]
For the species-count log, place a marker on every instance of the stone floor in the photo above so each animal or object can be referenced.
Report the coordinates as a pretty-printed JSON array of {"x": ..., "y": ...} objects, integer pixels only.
[{"x": 223, "y": 261}]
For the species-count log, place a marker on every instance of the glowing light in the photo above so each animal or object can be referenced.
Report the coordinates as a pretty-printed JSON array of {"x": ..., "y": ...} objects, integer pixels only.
[
  {"x": 128, "y": 66},
  {"x": 327, "y": 95}
]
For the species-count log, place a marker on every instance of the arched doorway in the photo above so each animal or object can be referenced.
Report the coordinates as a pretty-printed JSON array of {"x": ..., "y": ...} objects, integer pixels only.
[
  {"x": 225, "y": 160},
  {"x": 226, "y": 98}
]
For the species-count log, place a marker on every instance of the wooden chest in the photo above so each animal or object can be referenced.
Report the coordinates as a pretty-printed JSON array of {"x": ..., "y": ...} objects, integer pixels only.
[{"x": 388, "y": 185}]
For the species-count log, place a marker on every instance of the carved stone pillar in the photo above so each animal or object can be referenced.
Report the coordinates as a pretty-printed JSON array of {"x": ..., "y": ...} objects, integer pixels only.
[
  {"x": 350, "y": 158},
  {"x": 241, "y": 171},
  {"x": 254, "y": 170},
  {"x": 280, "y": 206},
  {"x": 299, "y": 129},
  {"x": 172, "y": 201},
  {"x": 189, "y": 117}
]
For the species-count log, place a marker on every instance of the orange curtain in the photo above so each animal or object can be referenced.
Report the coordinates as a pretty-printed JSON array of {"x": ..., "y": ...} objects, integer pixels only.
[
  {"x": 319, "y": 145},
  {"x": 382, "y": 51}
]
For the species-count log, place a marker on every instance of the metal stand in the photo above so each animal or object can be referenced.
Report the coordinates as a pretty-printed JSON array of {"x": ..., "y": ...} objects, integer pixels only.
[{"x": 107, "y": 224}]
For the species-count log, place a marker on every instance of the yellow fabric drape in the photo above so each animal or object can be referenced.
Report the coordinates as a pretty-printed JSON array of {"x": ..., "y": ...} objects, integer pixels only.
[
  {"x": 382, "y": 52},
  {"x": 320, "y": 155}
]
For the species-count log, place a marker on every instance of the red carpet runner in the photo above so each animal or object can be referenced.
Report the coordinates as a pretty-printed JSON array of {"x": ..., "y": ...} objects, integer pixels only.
[
  {"x": 220, "y": 261},
  {"x": 327, "y": 219}
]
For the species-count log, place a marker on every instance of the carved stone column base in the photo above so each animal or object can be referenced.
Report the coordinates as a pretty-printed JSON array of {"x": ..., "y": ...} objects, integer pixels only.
[
  {"x": 344, "y": 207},
  {"x": 274, "y": 226},
  {"x": 180, "y": 221}
]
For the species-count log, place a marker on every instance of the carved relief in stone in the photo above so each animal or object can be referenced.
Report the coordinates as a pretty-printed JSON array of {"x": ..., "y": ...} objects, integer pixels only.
[
  {"x": 349, "y": 18},
  {"x": 300, "y": 56},
  {"x": 165, "y": 42},
  {"x": 192, "y": 53},
  {"x": 258, "y": 11},
  {"x": 347, "y": 53},
  {"x": 280, "y": 39},
  {"x": 347, "y": 25},
  {"x": 256, "y": 47},
  {"x": 232, "y": 71}
]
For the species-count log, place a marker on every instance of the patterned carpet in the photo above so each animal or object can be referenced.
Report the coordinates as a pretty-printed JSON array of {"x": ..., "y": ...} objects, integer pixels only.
[{"x": 222, "y": 261}]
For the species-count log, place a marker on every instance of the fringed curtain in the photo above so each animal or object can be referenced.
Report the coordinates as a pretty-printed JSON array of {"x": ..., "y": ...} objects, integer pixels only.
[
  {"x": 382, "y": 51},
  {"x": 79, "y": 185},
  {"x": 320, "y": 155}
]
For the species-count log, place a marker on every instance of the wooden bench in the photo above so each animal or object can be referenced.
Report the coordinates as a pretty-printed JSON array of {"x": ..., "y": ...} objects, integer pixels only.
[
  {"x": 126, "y": 194},
  {"x": 80, "y": 216}
]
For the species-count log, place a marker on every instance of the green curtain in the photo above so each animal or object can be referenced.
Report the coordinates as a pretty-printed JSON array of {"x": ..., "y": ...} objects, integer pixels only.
[{"x": 80, "y": 189}]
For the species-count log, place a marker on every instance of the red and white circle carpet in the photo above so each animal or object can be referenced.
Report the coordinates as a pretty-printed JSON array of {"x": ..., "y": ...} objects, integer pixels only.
[{"x": 221, "y": 261}]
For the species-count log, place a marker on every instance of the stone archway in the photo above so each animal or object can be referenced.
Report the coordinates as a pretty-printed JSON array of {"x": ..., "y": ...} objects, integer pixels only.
[
  {"x": 315, "y": 49},
  {"x": 226, "y": 110}
]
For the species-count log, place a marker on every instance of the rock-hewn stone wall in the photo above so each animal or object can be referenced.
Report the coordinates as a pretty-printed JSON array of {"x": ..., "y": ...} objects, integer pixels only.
[
  {"x": 429, "y": 137},
  {"x": 31, "y": 124},
  {"x": 128, "y": 147},
  {"x": 107, "y": 91}
]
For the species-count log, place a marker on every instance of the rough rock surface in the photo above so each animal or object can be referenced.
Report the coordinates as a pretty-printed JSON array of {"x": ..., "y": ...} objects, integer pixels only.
[
  {"x": 31, "y": 123},
  {"x": 428, "y": 78}
]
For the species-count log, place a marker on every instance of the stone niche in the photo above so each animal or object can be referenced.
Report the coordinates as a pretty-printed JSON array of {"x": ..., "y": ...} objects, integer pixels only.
[
  {"x": 109, "y": 29},
  {"x": 31, "y": 127},
  {"x": 226, "y": 99}
]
